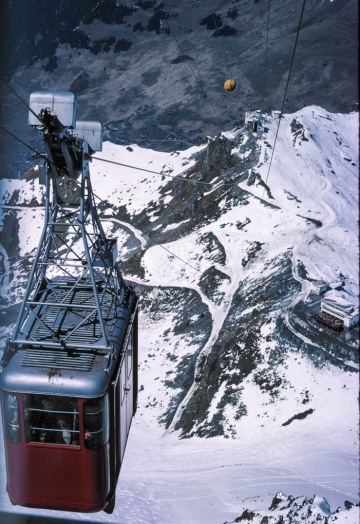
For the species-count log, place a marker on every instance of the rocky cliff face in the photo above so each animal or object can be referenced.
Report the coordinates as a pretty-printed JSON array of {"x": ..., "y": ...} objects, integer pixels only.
[{"x": 153, "y": 72}]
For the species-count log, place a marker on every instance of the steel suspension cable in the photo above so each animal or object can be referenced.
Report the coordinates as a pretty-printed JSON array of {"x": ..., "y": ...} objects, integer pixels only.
[
  {"x": 286, "y": 86},
  {"x": 107, "y": 203},
  {"x": 41, "y": 155},
  {"x": 13, "y": 90},
  {"x": 152, "y": 242},
  {"x": 176, "y": 177}
]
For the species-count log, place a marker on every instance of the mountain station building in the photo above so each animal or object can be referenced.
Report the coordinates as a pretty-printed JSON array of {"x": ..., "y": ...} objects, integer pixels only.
[{"x": 335, "y": 306}]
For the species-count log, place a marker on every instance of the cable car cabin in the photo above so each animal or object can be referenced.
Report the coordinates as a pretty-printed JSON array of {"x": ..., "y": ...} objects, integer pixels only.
[
  {"x": 68, "y": 376},
  {"x": 66, "y": 415}
]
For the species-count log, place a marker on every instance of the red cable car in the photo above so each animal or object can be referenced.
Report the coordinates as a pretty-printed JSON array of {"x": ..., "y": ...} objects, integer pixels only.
[
  {"x": 66, "y": 420},
  {"x": 68, "y": 376}
]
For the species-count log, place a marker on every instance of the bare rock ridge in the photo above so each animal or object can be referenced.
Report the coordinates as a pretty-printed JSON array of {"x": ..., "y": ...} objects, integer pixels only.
[{"x": 298, "y": 510}]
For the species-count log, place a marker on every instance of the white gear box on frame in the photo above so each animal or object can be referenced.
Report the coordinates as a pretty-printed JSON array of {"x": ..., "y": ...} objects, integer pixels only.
[
  {"x": 91, "y": 131},
  {"x": 60, "y": 103}
]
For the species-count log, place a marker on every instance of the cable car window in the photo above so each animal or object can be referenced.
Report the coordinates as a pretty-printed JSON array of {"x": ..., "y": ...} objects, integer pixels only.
[
  {"x": 11, "y": 417},
  {"x": 51, "y": 420},
  {"x": 96, "y": 422},
  {"x": 123, "y": 382},
  {"x": 129, "y": 354}
]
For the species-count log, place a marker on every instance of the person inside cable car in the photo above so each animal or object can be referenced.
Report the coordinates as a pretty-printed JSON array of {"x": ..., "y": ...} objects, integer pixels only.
[
  {"x": 44, "y": 436},
  {"x": 88, "y": 438},
  {"x": 30, "y": 432},
  {"x": 63, "y": 433}
]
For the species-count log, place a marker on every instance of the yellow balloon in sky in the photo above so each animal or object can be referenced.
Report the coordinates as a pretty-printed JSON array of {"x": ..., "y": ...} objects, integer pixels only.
[{"x": 230, "y": 85}]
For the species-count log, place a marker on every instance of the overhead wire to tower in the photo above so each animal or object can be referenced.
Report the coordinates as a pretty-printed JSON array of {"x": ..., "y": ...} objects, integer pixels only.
[
  {"x": 137, "y": 168},
  {"x": 40, "y": 155},
  {"x": 286, "y": 86},
  {"x": 161, "y": 173}
]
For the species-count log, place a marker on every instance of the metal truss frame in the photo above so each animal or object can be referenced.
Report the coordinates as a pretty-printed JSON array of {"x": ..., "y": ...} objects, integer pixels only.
[{"x": 75, "y": 288}]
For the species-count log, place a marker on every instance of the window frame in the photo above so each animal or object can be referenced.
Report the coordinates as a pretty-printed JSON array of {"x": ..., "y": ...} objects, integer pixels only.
[
  {"x": 96, "y": 438},
  {"x": 129, "y": 355},
  {"x": 45, "y": 427},
  {"x": 12, "y": 428}
]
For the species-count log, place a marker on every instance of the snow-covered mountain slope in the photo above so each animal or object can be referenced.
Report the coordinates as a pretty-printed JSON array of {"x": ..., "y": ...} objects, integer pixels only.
[
  {"x": 226, "y": 242},
  {"x": 299, "y": 510},
  {"x": 235, "y": 278}
]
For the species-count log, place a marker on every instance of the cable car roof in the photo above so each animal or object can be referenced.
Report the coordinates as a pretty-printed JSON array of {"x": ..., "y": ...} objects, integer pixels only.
[{"x": 35, "y": 366}]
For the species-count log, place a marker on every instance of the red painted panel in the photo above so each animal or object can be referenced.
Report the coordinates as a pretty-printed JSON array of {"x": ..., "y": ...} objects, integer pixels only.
[{"x": 57, "y": 477}]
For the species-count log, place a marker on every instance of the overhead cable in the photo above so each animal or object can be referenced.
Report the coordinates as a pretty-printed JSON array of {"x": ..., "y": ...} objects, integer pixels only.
[
  {"x": 161, "y": 173},
  {"x": 41, "y": 155},
  {"x": 178, "y": 177},
  {"x": 107, "y": 203},
  {"x": 286, "y": 86},
  {"x": 13, "y": 90},
  {"x": 147, "y": 236}
]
